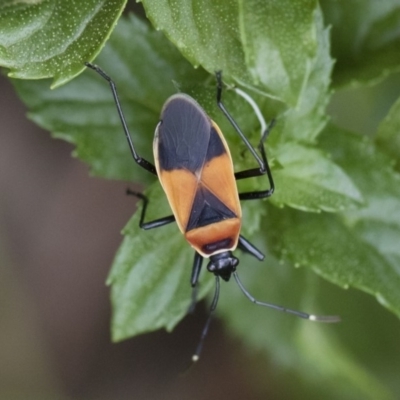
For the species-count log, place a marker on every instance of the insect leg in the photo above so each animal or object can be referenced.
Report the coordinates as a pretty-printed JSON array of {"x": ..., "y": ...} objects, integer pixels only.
[
  {"x": 262, "y": 161},
  {"x": 247, "y": 247},
  {"x": 148, "y": 166},
  {"x": 196, "y": 355},
  {"x": 311, "y": 317},
  {"x": 197, "y": 263},
  {"x": 151, "y": 224},
  {"x": 254, "y": 172}
]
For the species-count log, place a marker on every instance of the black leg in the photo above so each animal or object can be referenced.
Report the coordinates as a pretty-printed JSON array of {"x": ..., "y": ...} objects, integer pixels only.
[
  {"x": 151, "y": 224},
  {"x": 197, "y": 263},
  {"x": 204, "y": 332},
  {"x": 247, "y": 247},
  {"x": 262, "y": 161},
  {"x": 148, "y": 166},
  {"x": 311, "y": 317},
  {"x": 254, "y": 172}
]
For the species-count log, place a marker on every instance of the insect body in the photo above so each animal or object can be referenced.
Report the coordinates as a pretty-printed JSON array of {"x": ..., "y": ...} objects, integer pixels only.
[{"x": 195, "y": 169}]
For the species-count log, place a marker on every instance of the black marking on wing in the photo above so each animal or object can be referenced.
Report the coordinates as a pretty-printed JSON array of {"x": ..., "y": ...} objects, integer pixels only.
[
  {"x": 183, "y": 134},
  {"x": 215, "y": 146},
  {"x": 207, "y": 209},
  {"x": 219, "y": 245}
]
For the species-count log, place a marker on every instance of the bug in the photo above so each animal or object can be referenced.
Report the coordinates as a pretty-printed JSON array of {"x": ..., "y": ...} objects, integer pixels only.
[{"x": 195, "y": 168}]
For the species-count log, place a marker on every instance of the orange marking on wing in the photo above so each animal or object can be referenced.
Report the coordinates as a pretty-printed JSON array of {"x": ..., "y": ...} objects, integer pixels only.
[
  {"x": 180, "y": 186},
  {"x": 217, "y": 175},
  {"x": 199, "y": 237}
]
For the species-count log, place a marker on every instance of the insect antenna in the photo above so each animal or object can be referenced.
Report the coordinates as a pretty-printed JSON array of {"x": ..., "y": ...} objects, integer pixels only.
[
  {"x": 196, "y": 355},
  {"x": 311, "y": 317}
]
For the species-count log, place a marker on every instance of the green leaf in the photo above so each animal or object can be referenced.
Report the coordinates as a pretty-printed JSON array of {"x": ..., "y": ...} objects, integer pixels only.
[
  {"x": 307, "y": 118},
  {"x": 257, "y": 38},
  {"x": 150, "y": 276},
  {"x": 43, "y": 39},
  {"x": 365, "y": 39},
  {"x": 83, "y": 112},
  {"x": 388, "y": 136},
  {"x": 356, "y": 248},
  {"x": 310, "y": 181},
  {"x": 206, "y": 32},
  {"x": 339, "y": 253},
  {"x": 279, "y": 43}
]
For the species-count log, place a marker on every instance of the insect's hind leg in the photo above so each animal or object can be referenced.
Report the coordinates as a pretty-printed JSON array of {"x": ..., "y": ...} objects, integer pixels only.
[
  {"x": 150, "y": 224},
  {"x": 148, "y": 166},
  {"x": 254, "y": 172},
  {"x": 262, "y": 161}
]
